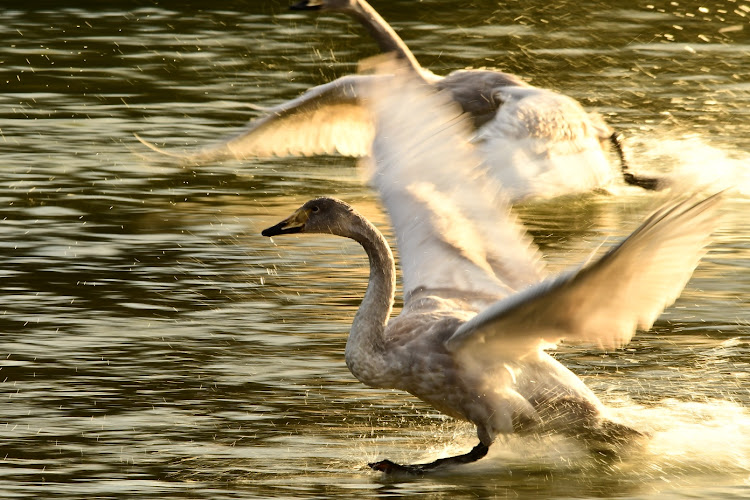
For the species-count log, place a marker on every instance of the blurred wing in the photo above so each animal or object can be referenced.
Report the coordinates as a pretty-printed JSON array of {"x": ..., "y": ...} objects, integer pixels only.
[
  {"x": 454, "y": 227},
  {"x": 541, "y": 143},
  {"x": 326, "y": 119},
  {"x": 603, "y": 302}
]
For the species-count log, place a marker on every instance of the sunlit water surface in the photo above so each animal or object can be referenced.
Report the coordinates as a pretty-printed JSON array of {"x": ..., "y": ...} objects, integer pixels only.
[{"x": 154, "y": 344}]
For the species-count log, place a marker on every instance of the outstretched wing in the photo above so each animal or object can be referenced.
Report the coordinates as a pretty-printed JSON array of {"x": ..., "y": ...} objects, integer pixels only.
[
  {"x": 606, "y": 301},
  {"x": 453, "y": 224},
  {"x": 326, "y": 119}
]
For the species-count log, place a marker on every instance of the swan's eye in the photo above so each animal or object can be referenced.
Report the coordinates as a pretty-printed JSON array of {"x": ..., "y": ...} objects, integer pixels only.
[{"x": 314, "y": 209}]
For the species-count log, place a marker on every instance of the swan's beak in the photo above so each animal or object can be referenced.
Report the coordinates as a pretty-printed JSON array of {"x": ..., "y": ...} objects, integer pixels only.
[
  {"x": 293, "y": 224},
  {"x": 307, "y": 5}
]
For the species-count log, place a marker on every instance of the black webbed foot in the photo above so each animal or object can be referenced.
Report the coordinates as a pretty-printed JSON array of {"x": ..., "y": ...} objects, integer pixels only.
[
  {"x": 388, "y": 467},
  {"x": 647, "y": 183},
  {"x": 609, "y": 441}
]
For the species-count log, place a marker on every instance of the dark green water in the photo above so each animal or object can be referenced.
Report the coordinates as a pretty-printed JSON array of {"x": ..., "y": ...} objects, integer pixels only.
[{"x": 154, "y": 345}]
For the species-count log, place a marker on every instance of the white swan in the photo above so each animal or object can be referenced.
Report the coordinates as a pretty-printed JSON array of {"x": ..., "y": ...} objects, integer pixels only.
[
  {"x": 537, "y": 143},
  {"x": 478, "y": 310}
]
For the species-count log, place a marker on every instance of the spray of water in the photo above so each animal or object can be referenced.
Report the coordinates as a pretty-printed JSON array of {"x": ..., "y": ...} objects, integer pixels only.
[{"x": 691, "y": 162}]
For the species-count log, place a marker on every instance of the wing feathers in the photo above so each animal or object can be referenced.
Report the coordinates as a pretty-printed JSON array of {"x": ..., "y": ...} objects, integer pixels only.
[
  {"x": 453, "y": 224},
  {"x": 326, "y": 119},
  {"x": 605, "y": 301}
]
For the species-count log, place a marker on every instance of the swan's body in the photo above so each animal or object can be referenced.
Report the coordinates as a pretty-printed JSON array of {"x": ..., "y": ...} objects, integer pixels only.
[
  {"x": 478, "y": 310},
  {"x": 537, "y": 143}
]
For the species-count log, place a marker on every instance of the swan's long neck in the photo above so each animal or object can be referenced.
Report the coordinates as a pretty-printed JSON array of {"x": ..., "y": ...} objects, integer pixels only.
[
  {"x": 365, "y": 348},
  {"x": 383, "y": 34}
]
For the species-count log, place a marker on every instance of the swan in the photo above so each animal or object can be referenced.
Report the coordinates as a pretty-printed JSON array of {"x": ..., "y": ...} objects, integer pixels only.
[
  {"x": 538, "y": 143},
  {"x": 479, "y": 309}
]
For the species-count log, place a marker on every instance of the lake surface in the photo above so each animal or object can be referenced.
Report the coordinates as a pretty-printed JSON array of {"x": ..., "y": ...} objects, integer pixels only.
[{"x": 155, "y": 345}]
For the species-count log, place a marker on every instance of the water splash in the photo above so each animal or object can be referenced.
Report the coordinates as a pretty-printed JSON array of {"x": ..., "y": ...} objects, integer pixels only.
[
  {"x": 689, "y": 437},
  {"x": 692, "y": 162},
  {"x": 701, "y": 447}
]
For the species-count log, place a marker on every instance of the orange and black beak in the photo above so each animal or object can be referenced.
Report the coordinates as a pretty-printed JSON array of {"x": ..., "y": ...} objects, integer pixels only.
[
  {"x": 293, "y": 224},
  {"x": 307, "y": 5}
]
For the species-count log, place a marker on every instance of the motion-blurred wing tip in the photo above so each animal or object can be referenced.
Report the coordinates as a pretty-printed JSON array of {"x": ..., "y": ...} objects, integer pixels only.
[{"x": 154, "y": 147}]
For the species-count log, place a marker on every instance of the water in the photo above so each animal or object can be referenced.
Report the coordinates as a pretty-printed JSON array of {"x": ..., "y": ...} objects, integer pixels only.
[{"x": 153, "y": 344}]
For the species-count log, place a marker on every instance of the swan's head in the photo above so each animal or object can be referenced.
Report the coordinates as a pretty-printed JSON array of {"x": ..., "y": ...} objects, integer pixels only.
[
  {"x": 341, "y": 5},
  {"x": 321, "y": 215}
]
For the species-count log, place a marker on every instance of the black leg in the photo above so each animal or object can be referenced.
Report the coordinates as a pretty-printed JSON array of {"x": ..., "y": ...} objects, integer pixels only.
[
  {"x": 388, "y": 467},
  {"x": 609, "y": 440},
  {"x": 649, "y": 183}
]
